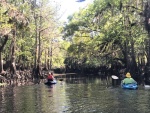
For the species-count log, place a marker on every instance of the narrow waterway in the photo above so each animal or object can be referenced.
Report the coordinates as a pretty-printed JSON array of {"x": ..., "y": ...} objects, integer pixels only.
[{"x": 79, "y": 95}]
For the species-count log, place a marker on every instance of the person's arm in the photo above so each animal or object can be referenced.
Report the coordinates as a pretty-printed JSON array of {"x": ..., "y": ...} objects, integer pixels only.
[
  {"x": 53, "y": 77},
  {"x": 134, "y": 81},
  {"x": 122, "y": 81}
]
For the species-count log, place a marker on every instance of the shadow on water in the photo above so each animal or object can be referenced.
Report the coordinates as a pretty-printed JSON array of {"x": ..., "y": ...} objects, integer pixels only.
[{"x": 74, "y": 95}]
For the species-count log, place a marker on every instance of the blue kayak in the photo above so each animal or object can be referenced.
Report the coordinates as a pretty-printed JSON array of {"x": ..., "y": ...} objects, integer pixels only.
[
  {"x": 129, "y": 86},
  {"x": 51, "y": 82}
]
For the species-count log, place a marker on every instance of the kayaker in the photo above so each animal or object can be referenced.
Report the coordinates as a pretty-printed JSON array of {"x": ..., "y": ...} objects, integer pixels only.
[
  {"x": 50, "y": 77},
  {"x": 129, "y": 79}
]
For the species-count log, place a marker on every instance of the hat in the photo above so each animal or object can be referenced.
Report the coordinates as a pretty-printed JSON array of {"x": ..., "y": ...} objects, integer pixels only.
[{"x": 128, "y": 75}]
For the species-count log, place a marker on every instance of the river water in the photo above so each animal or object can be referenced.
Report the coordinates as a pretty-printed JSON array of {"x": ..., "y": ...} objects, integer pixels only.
[{"x": 80, "y": 95}]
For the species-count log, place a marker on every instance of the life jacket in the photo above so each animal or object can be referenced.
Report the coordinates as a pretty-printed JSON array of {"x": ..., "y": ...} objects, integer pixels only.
[{"x": 50, "y": 77}]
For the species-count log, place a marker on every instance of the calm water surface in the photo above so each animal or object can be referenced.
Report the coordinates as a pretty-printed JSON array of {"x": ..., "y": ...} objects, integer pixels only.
[{"x": 82, "y": 95}]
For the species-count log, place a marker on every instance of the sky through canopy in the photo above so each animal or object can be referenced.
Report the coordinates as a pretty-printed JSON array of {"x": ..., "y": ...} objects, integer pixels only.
[{"x": 68, "y": 7}]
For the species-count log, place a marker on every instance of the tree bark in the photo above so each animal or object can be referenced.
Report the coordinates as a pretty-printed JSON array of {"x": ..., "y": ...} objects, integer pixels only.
[
  {"x": 1, "y": 63},
  {"x": 1, "y": 48},
  {"x": 36, "y": 38},
  {"x": 51, "y": 54},
  {"x": 39, "y": 45},
  {"x": 13, "y": 49}
]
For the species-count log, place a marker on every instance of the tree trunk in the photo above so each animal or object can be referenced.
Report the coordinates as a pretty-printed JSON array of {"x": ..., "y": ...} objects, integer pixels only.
[
  {"x": 1, "y": 48},
  {"x": 36, "y": 35},
  {"x": 1, "y": 62},
  {"x": 149, "y": 49},
  {"x": 12, "y": 65},
  {"x": 134, "y": 64},
  {"x": 39, "y": 40},
  {"x": 36, "y": 38},
  {"x": 46, "y": 59},
  {"x": 51, "y": 54}
]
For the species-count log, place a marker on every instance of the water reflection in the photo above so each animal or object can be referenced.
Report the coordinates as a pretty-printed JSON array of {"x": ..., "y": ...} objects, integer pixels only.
[{"x": 77, "y": 95}]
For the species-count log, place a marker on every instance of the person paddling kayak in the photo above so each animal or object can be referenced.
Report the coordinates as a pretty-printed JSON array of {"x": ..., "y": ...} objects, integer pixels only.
[
  {"x": 128, "y": 79},
  {"x": 50, "y": 77}
]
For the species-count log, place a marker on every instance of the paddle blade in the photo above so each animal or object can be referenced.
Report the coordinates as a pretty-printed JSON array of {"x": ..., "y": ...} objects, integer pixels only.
[{"x": 114, "y": 77}]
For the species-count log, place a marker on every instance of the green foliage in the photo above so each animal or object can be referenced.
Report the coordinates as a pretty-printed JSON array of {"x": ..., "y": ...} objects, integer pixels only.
[
  {"x": 21, "y": 15},
  {"x": 5, "y": 27},
  {"x": 112, "y": 24},
  {"x": 102, "y": 32}
]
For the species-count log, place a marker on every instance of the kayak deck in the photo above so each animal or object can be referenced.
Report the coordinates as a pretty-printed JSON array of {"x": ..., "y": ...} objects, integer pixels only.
[{"x": 50, "y": 82}]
